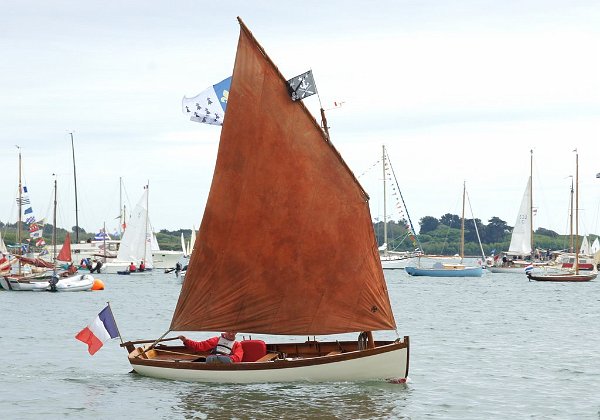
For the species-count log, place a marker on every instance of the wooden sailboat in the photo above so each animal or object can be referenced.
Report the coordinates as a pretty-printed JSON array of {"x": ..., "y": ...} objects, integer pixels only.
[
  {"x": 571, "y": 275},
  {"x": 21, "y": 281},
  {"x": 450, "y": 269},
  {"x": 276, "y": 169}
]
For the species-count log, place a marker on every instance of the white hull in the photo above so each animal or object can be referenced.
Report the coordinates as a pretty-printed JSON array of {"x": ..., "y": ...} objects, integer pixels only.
[
  {"x": 15, "y": 285},
  {"x": 396, "y": 263},
  {"x": 520, "y": 270},
  {"x": 76, "y": 283},
  {"x": 166, "y": 259},
  {"x": 391, "y": 366}
]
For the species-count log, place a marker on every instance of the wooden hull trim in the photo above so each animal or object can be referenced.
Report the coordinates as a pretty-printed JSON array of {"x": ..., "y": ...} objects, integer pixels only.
[
  {"x": 385, "y": 362},
  {"x": 562, "y": 277}
]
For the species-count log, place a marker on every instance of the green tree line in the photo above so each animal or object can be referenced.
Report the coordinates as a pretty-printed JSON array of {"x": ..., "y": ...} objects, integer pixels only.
[
  {"x": 442, "y": 236},
  {"x": 435, "y": 236}
]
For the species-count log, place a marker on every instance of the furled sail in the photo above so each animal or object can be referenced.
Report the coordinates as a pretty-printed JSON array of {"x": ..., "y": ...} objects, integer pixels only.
[
  {"x": 286, "y": 244},
  {"x": 520, "y": 241}
]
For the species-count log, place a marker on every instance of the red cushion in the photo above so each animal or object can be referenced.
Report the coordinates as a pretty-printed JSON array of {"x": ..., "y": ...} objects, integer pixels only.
[{"x": 253, "y": 350}]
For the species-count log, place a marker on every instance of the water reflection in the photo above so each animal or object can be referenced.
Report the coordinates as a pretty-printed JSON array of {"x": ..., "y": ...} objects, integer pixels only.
[{"x": 292, "y": 401}]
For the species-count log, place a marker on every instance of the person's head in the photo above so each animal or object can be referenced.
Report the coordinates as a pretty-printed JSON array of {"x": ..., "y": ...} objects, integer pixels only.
[{"x": 229, "y": 335}]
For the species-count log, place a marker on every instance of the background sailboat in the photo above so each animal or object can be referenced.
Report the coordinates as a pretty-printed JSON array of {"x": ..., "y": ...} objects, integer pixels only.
[
  {"x": 448, "y": 269},
  {"x": 136, "y": 244},
  {"x": 572, "y": 275},
  {"x": 391, "y": 259}
]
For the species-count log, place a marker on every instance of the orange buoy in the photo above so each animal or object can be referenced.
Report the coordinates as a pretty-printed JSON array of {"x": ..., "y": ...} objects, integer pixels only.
[{"x": 98, "y": 285}]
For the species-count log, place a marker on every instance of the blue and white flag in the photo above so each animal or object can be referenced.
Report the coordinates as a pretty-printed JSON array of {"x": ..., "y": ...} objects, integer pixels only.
[
  {"x": 100, "y": 236},
  {"x": 208, "y": 106},
  {"x": 529, "y": 268}
]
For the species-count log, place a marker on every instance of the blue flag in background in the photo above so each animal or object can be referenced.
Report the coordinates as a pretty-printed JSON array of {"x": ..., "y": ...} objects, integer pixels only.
[{"x": 209, "y": 105}]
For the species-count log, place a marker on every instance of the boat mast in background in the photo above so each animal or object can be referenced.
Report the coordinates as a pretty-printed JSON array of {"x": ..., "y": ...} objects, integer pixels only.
[
  {"x": 576, "y": 249},
  {"x": 462, "y": 225},
  {"x": 75, "y": 180},
  {"x": 122, "y": 223},
  {"x": 531, "y": 203},
  {"x": 385, "y": 238},
  {"x": 20, "y": 206},
  {"x": 54, "y": 229}
]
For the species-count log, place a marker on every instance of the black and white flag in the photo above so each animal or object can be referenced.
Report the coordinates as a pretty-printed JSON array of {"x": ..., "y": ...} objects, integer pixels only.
[{"x": 302, "y": 86}]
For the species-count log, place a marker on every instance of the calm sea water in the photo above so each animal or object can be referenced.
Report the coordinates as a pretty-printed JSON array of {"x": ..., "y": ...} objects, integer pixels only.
[{"x": 485, "y": 348}]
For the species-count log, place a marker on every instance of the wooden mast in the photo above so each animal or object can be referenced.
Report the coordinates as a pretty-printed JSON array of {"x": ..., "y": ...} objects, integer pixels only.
[
  {"x": 54, "y": 228},
  {"x": 576, "y": 212},
  {"x": 75, "y": 180},
  {"x": 462, "y": 226},
  {"x": 19, "y": 222},
  {"x": 385, "y": 251},
  {"x": 571, "y": 245}
]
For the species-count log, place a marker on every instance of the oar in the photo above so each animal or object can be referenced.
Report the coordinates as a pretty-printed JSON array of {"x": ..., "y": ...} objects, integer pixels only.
[{"x": 168, "y": 270}]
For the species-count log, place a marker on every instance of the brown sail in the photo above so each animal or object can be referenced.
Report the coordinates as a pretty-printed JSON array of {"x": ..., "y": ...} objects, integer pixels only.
[{"x": 286, "y": 244}]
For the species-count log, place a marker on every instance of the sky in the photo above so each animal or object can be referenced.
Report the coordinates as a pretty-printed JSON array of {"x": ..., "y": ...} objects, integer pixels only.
[{"x": 456, "y": 91}]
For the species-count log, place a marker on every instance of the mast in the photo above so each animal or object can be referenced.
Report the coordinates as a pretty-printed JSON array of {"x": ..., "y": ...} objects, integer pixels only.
[
  {"x": 385, "y": 251},
  {"x": 20, "y": 205},
  {"x": 531, "y": 202},
  {"x": 146, "y": 222},
  {"x": 462, "y": 225},
  {"x": 104, "y": 241},
  {"x": 571, "y": 219},
  {"x": 54, "y": 228},
  {"x": 121, "y": 215},
  {"x": 576, "y": 212},
  {"x": 75, "y": 179}
]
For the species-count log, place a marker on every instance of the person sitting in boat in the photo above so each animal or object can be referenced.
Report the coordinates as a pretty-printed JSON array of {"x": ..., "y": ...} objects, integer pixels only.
[
  {"x": 132, "y": 267},
  {"x": 71, "y": 269},
  {"x": 223, "y": 348},
  {"x": 96, "y": 267},
  {"x": 177, "y": 268},
  {"x": 142, "y": 266}
]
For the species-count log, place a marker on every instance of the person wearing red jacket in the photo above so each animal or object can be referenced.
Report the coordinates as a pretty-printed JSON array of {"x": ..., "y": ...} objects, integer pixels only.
[{"x": 223, "y": 348}]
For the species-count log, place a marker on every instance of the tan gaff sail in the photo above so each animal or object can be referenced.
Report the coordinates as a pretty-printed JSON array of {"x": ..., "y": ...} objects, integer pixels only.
[{"x": 286, "y": 244}]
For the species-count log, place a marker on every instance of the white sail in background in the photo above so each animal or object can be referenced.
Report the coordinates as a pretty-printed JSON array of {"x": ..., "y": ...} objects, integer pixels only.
[
  {"x": 183, "y": 247},
  {"x": 136, "y": 244},
  {"x": 192, "y": 241},
  {"x": 4, "y": 250},
  {"x": 520, "y": 242},
  {"x": 595, "y": 246},
  {"x": 585, "y": 246},
  {"x": 155, "y": 246}
]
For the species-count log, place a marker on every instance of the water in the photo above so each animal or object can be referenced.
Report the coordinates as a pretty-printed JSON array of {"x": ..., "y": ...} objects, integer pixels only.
[{"x": 481, "y": 348}]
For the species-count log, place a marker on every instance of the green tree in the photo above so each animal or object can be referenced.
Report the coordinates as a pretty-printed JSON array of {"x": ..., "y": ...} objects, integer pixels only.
[
  {"x": 496, "y": 230},
  {"x": 450, "y": 220},
  {"x": 428, "y": 224}
]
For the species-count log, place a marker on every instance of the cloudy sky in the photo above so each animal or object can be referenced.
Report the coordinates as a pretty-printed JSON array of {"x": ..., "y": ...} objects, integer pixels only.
[{"x": 456, "y": 91}]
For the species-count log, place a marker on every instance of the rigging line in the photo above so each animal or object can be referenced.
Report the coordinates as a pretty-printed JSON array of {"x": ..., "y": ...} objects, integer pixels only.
[
  {"x": 403, "y": 203},
  {"x": 475, "y": 224}
]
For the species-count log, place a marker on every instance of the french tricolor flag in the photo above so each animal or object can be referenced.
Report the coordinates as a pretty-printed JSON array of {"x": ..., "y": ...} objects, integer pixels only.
[{"x": 101, "y": 329}]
